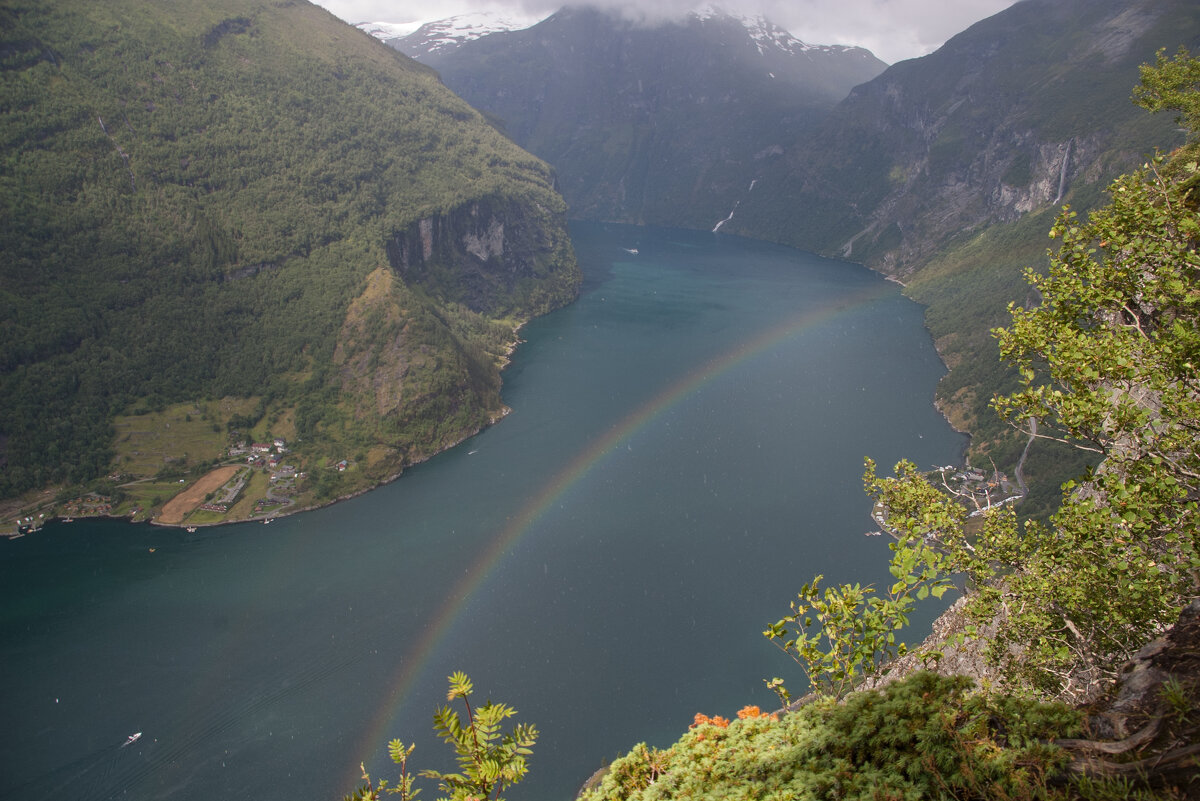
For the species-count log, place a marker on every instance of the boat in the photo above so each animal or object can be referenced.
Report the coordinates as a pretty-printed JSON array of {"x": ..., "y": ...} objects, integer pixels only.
[{"x": 133, "y": 738}]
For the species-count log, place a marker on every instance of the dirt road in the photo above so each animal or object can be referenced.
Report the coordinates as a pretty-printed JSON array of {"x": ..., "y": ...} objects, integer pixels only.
[{"x": 182, "y": 504}]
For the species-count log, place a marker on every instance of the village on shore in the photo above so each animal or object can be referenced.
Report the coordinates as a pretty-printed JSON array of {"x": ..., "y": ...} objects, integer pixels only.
[{"x": 218, "y": 496}]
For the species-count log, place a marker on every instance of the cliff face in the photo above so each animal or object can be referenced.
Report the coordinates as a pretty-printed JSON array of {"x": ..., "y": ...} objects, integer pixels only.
[
  {"x": 946, "y": 172},
  {"x": 1014, "y": 114},
  {"x": 200, "y": 200},
  {"x": 492, "y": 255}
]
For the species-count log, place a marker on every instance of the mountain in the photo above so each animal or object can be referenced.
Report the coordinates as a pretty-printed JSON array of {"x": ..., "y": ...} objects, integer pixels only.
[
  {"x": 1006, "y": 117},
  {"x": 658, "y": 123},
  {"x": 946, "y": 171},
  {"x": 445, "y": 35},
  {"x": 259, "y": 220}
]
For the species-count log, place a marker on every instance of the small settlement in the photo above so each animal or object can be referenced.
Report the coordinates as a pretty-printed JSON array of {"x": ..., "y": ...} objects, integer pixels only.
[{"x": 973, "y": 488}]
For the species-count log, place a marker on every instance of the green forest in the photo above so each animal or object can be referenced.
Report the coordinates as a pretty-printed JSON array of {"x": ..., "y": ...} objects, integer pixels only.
[{"x": 194, "y": 198}]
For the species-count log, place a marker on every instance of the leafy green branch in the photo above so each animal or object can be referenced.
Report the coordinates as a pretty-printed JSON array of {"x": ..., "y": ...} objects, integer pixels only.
[
  {"x": 489, "y": 760},
  {"x": 841, "y": 634}
]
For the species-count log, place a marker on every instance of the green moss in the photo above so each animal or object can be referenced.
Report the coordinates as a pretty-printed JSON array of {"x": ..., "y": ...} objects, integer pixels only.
[{"x": 925, "y": 737}]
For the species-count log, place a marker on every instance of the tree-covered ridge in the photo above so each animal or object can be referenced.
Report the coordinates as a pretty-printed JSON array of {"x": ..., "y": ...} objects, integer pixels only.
[
  {"x": 1107, "y": 361},
  {"x": 194, "y": 194}
]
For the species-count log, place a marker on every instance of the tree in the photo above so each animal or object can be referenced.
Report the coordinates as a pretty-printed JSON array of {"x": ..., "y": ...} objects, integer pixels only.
[
  {"x": 488, "y": 760},
  {"x": 1108, "y": 362},
  {"x": 844, "y": 633}
]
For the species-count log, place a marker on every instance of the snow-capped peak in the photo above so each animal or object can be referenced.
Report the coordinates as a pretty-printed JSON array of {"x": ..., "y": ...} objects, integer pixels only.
[
  {"x": 389, "y": 30},
  {"x": 428, "y": 37},
  {"x": 765, "y": 34}
]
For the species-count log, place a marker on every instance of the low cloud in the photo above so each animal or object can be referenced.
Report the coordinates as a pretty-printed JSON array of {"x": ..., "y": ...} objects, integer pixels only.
[{"x": 891, "y": 29}]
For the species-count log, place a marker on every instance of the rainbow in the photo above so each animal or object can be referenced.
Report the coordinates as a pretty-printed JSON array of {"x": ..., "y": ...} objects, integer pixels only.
[{"x": 548, "y": 496}]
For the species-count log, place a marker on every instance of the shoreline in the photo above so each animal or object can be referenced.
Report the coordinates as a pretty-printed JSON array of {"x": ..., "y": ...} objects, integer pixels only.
[
  {"x": 503, "y": 362},
  {"x": 504, "y": 411}
]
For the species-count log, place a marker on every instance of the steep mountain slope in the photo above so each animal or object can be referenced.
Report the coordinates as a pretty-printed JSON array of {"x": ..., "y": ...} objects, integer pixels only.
[
  {"x": 252, "y": 199},
  {"x": 946, "y": 171},
  {"x": 659, "y": 124},
  {"x": 1005, "y": 118}
]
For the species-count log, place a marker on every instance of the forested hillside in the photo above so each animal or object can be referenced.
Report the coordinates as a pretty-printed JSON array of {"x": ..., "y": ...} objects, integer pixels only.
[
  {"x": 232, "y": 199},
  {"x": 946, "y": 171}
]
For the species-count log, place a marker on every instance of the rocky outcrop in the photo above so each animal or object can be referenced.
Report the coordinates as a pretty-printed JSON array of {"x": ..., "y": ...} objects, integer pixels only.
[
  {"x": 1146, "y": 730},
  {"x": 493, "y": 255},
  {"x": 1011, "y": 116}
]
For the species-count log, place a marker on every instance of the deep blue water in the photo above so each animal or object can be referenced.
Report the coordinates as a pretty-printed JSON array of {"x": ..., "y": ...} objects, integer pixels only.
[{"x": 684, "y": 451}]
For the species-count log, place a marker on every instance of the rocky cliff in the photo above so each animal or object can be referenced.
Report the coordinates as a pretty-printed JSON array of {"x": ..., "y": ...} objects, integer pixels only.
[
  {"x": 1020, "y": 112},
  {"x": 492, "y": 255}
]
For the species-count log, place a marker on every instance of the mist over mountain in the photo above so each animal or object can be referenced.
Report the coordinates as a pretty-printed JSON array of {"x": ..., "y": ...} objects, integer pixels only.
[
  {"x": 650, "y": 123},
  {"x": 944, "y": 170},
  {"x": 894, "y": 30}
]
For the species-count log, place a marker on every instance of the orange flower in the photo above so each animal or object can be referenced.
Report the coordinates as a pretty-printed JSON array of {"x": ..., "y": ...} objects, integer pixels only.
[
  {"x": 749, "y": 712},
  {"x": 702, "y": 719}
]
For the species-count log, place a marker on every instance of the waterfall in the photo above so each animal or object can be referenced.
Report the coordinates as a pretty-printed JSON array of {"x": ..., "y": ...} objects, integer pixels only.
[
  {"x": 1062, "y": 174},
  {"x": 717, "y": 227}
]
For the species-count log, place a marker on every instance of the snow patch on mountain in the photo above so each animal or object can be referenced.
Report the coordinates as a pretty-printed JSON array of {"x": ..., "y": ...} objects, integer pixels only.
[
  {"x": 767, "y": 35},
  {"x": 438, "y": 36},
  {"x": 389, "y": 30},
  {"x": 427, "y": 37}
]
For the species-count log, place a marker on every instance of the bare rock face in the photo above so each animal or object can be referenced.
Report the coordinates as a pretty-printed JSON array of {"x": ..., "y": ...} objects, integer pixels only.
[
  {"x": 1147, "y": 728},
  {"x": 491, "y": 255},
  {"x": 1019, "y": 113}
]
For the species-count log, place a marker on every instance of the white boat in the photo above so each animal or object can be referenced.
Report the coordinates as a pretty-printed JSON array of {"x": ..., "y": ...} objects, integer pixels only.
[{"x": 133, "y": 738}]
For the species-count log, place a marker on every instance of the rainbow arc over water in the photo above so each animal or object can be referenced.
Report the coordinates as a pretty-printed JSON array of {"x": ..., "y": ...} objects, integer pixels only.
[{"x": 377, "y": 732}]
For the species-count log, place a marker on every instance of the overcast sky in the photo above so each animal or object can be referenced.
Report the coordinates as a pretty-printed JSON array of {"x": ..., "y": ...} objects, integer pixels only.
[{"x": 891, "y": 29}]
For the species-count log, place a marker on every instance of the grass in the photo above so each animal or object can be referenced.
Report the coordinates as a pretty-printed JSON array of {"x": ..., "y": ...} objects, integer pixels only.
[
  {"x": 255, "y": 488},
  {"x": 181, "y": 435},
  {"x": 148, "y": 495}
]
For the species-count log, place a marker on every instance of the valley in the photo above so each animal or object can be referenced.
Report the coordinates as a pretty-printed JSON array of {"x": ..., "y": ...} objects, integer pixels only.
[
  {"x": 694, "y": 422},
  {"x": 607, "y": 293}
]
